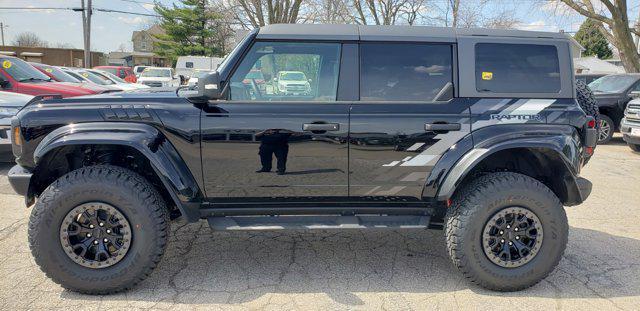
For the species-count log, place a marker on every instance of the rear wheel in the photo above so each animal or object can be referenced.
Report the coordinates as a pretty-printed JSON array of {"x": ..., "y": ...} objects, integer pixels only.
[
  {"x": 98, "y": 229},
  {"x": 634, "y": 147},
  {"x": 506, "y": 231},
  {"x": 605, "y": 132}
]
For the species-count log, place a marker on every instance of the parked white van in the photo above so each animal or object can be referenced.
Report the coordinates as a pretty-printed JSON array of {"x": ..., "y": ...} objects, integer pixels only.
[{"x": 187, "y": 65}]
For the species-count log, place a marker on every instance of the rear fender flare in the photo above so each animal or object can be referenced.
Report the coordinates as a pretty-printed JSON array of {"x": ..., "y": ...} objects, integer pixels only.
[{"x": 560, "y": 144}]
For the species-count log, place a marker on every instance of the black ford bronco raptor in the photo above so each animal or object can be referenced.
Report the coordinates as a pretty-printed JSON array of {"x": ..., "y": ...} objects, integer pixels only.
[{"x": 477, "y": 132}]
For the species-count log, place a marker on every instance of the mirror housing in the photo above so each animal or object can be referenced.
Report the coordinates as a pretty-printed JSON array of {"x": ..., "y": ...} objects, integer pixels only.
[
  {"x": 3, "y": 82},
  {"x": 208, "y": 87}
]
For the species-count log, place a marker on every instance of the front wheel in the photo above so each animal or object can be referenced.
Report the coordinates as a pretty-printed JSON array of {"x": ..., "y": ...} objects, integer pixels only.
[
  {"x": 98, "y": 229},
  {"x": 634, "y": 147},
  {"x": 506, "y": 231},
  {"x": 607, "y": 127}
]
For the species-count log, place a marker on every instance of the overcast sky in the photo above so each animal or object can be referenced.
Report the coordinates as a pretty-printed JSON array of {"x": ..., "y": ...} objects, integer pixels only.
[{"x": 110, "y": 30}]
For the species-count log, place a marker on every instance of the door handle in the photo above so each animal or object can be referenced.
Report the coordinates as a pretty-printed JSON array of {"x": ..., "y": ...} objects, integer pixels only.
[
  {"x": 442, "y": 127},
  {"x": 321, "y": 127}
]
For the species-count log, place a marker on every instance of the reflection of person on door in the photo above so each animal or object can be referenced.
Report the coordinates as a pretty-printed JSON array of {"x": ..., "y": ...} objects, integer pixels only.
[{"x": 274, "y": 142}]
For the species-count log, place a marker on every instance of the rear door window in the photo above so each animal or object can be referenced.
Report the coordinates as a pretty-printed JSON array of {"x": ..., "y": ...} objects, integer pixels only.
[
  {"x": 516, "y": 68},
  {"x": 406, "y": 72}
]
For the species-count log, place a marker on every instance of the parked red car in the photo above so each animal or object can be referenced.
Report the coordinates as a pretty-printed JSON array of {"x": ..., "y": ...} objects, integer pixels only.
[
  {"x": 60, "y": 76},
  {"x": 18, "y": 76},
  {"x": 124, "y": 73}
]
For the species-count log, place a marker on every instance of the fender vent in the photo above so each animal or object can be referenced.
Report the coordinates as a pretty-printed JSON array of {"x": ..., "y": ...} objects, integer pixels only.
[{"x": 126, "y": 113}]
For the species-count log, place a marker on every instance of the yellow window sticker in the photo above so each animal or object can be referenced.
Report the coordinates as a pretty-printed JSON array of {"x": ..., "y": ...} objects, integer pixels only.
[
  {"x": 84, "y": 74},
  {"x": 486, "y": 75},
  {"x": 48, "y": 70},
  {"x": 6, "y": 64}
]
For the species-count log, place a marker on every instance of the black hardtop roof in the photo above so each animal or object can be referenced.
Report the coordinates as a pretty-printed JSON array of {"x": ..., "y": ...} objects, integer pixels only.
[{"x": 390, "y": 33}]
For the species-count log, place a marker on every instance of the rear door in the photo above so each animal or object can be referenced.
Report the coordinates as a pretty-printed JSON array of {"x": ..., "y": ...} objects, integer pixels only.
[
  {"x": 407, "y": 117},
  {"x": 276, "y": 139}
]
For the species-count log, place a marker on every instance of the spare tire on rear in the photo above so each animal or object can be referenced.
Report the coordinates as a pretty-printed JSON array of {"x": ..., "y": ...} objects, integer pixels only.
[{"x": 587, "y": 101}]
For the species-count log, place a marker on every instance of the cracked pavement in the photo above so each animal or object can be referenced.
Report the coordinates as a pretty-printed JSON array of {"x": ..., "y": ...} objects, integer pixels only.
[{"x": 359, "y": 269}]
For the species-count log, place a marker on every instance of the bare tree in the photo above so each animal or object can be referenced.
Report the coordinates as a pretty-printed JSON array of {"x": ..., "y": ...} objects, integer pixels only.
[
  {"x": 614, "y": 24},
  {"x": 63, "y": 45},
  {"x": 388, "y": 12},
  {"x": 29, "y": 39},
  {"x": 329, "y": 12},
  {"x": 258, "y": 13}
]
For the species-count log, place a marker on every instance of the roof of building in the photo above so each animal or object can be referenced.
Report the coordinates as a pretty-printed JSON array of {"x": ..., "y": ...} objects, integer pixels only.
[
  {"x": 390, "y": 33},
  {"x": 594, "y": 65},
  {"x": 153, "y": 30}
]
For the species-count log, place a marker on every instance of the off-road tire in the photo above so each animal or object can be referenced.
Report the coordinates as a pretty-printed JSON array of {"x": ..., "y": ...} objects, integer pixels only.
[
  {"x": 634, "y": 147},
  {"x": 587, "y": 101},
  {"x": 123, "y": 189},
  {"x": 474, "y": 204},
  {"x": 609, "y": 121}
]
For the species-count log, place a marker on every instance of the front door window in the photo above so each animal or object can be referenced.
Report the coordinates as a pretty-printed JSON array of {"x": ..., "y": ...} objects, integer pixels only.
[{"x": 284, "y": 71}]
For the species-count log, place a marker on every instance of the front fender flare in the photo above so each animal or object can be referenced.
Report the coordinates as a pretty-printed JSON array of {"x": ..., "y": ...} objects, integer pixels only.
[{"x": 146, "y": 139}]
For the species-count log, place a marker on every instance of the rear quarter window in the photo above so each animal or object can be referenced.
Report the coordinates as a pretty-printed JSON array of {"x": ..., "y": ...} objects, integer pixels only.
[{"x": 516, "y": 68}]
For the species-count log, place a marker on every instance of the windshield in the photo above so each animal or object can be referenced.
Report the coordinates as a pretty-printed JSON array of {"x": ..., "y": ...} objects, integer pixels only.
[
  {"x": 613, "y": 83},
  {"x": 139, "y": 69},
  {"x": 109, "y": 70},
  {"x": 112, "y": 77},
  {"x": 58, "y": 74},
  {"x": 156, "y": 72},
  {"x": 293, "y": 76},
  {"x": 22, "y": 71},
  {"x": 95, "y": 78}
]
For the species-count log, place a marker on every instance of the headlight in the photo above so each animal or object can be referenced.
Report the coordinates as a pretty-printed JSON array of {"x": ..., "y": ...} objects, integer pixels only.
[{"x": 6, "y": 112}]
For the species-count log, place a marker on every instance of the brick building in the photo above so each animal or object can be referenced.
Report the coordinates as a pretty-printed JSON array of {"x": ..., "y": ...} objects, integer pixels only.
[{"x": 53, "y": 56}]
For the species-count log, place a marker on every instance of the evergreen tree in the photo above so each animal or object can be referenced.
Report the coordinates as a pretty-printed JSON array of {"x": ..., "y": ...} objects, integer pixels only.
[
  {"x": 189, "y": 28},
  {"x": 594, "y": 42}
]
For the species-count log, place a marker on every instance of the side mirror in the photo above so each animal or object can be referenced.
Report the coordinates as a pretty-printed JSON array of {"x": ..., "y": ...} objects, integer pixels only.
[
  {"x": 208, "y": 87},
  {"x": 275, "y": 79},
  {"x": 309, "y": 80},
  {"x": 3, "y": 82}
]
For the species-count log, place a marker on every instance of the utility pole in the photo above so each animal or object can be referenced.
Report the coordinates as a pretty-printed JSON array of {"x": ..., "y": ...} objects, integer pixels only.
[
  {"x": 86, "y": 31},
  {"x": 2, "y": 26}
]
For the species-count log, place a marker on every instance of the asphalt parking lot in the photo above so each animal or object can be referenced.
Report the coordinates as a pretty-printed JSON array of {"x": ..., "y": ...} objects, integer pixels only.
[{"x": 375, "y": 269}]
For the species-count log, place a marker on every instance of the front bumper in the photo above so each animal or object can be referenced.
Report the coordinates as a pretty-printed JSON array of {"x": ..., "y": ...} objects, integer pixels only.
[
  {"x": 6, "y": 154},
  {"x": 625, "y": 129},
  {"x": 19, "y": 178}
]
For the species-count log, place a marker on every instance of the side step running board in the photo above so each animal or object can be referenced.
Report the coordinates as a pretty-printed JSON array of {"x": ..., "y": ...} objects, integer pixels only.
[{"x": 316, "y": 222}]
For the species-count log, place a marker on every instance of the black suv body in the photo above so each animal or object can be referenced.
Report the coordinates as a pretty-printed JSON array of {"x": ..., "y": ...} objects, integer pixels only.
[
  {"x": 474, "y": 131},
  {"x": 613, "y": 93}
]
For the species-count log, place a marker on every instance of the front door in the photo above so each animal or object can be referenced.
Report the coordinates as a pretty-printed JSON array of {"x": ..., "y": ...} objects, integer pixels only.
[
  {"x": 407, "y": 117},
  {"x": 281, "y": 133}
]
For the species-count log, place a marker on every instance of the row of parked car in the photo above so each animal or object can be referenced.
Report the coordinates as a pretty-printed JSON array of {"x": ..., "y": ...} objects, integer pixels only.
[{"x": 614, "y": 95}]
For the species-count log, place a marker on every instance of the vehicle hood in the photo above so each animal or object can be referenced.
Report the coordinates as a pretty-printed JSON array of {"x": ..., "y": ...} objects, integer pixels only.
[
  {"x": 154, "y": 79},
  {"x": 10, "y": 99},
  {"x": 155, "y": 93},
  {"x": 56, "y": 88},
  {"x": 285, "y": 82},
  {"x": 93, "y": 88}
]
